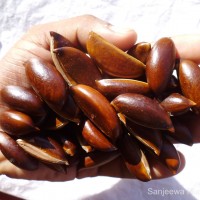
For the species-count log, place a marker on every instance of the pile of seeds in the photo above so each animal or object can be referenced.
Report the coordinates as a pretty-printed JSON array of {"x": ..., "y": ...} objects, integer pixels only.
[{"x": 87, "y": 109}]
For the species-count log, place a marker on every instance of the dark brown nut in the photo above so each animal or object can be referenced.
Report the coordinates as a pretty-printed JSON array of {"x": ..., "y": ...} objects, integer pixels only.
[
  {"x": 189, "y": 74},
  {"x": 169, "y": 156},
  {"x": 44, "y": 148},
  {"x": 140, "y": 51},
  {"x": 98, "y": 109},
  {"x": 97, "y": 159},
  {"x": 151, "y": 138},
  {"x": 160, "y": 65},
  {"x": 15, "y": 154},
  {"x": 25, "y": 100},
  {"x": 135, "y": 159},
  {"x": 96, "y": 138},
  {"x": 175, "y": 104},
  {"x": 77, "y": 65},
  {"x": 182, "y": 133},
  {"x": 143, "y": 111},
  {"x": 47, "y": 83},
  {"x": 111, "y": 88},
  {"x": 17, "y": 123},
  {"x": 112, "y": 60}
]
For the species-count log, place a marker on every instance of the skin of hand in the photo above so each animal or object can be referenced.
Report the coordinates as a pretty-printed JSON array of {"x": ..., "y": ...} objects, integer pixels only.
[{"x": 35, "y": 43}]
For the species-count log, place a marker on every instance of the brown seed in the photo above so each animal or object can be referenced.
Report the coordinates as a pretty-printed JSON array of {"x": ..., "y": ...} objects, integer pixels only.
[
  {"x": 17, "y": 123},
  {"x": 140, "y": 51},
  {"x": 112, "y": 60},
  {"x": 143, "y": 111},
  {"x": 151, "y": 138},
  {"x": 111, "y": 88},
  {"x": 189, "y": 73},
  {"x": 47, "y": 83},
  {"x": 77, "y": 65},
  {"x": 98, "y": 109},
  {"x": 96, "y": 138},
  {"x": 44, "y": 148},
  {"x": 135, "y": 159},
  {"x": 175, "y": 103},
  {"x": 160, "y": 65},
  {"x": 15, "y": 154},
  {"x": 25, "y": 100}
]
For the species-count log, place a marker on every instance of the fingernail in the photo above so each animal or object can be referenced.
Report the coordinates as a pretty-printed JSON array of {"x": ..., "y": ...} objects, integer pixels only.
[{"x": 119, "y": 29}]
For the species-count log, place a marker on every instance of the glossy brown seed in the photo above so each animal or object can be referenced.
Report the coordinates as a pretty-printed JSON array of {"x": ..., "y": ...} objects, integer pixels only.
[
  {"x": 16, "y": 123},
  {"x": 69, "y": 146},
  {"x": 44, "y": 148},
  {"x": 97, "y": 159},
  {"x": 160, "y": 65},
  {"x": 151, "y": 138},
  {"x": 169, "y": 156},
  {"x": 182, "y": 133},
  {"x": 175, "y": 103},
  {"x": 135, "y": 159},
  {"x": 25, "y": 100},
  {"x": 112, "y": 60},
  {"x": 77, "y": 65},
  {"x": 47, "y": 83},
  {"x": 143, "y": 111},
  {"x": 111, "y": 88},
  {"x": 189, "y": 73},
  {"x": 98, "y": 109},
  {"x": 140, "y": 51},
  {"x": 15, "y": 154},
  {"x": 96, "y": 138}
]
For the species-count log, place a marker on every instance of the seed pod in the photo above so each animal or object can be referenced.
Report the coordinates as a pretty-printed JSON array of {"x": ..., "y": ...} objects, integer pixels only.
[
  {"x": 17, "y": 123},
  {"x": 111, "y": 88},
  {"x": 169, "y": 156},
  {"x": 135, "y": 159},
  {"x": 15, "y": 154},
  {"x": 98, "y": 109},
  {"x": 151, "y": 138},
  {"x": 24, "y": 100},
  {"x": 97, "y": 159},
  {"x": 160, "y": 65},
  {"x": 77, "y": 65},
  {"x": 143, "y": 111},
  {"x": 140, "y": 51},
  {"x": 112, "y": 60},
  {"x": 47, "y": 83},
  {"x": 95, "y": 138},
  {"x": 177, "y": 104},
  {"x": 44, "y": 148},
  {"x": 189, "y": 74}
]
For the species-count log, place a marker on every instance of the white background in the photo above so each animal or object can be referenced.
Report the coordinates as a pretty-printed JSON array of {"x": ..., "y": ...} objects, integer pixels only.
[{"x": 151, "y": 20}]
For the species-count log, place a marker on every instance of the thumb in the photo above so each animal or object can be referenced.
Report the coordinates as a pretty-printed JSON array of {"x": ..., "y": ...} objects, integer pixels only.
[{"x": 76, "y": 29}]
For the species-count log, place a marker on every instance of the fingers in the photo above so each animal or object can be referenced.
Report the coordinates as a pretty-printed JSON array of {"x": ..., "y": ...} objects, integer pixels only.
[
  {"x": 77, "y": 29},
  {"x": 188, "y": 46}
]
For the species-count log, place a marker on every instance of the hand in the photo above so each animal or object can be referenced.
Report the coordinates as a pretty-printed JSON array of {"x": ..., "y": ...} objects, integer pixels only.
[{"x": 35, "y": 43}]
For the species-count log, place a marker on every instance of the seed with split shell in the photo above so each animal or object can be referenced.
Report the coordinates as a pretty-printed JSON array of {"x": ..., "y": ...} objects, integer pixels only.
[
  {"x": 112, "y": 60},
  {"x": 25, "y": 100},
  {"x": 135, "y": 159},
  {"x": 98, "y": 109},
  {"x": 47, "y": 83},
  {"x": 95, "y": 138},
  {"x": 140, "y": 51},
  {"x": 176, "y": 103},
  {"x": 44, "y": 148},
  {"x": 77, "y": 65},
  {"x": 189, "y": 73},
  {"x": 143, "y": 110},
  {"x": 17, "y": 123},
  {"x": 111, "y": 88},
  {"x": 15, "y": 154},
  {"x": 160, "y": 64}
]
